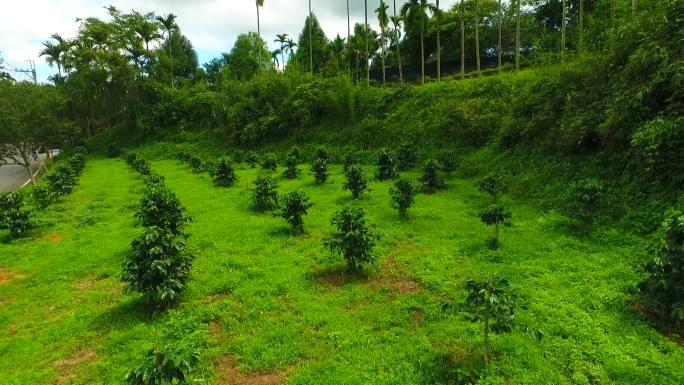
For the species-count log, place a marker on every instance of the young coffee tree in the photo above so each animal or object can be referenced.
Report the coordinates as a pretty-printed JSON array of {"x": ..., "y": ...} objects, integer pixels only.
[
  {"x": 292, "y": 171},
  {"x": 322, "y": 153},
  {"x": 62, "y": 181},
  {"x": 663, "y": 286},
  {"x": 492, "y": 185},
  {"x": 196, "y": 163},
  {"x": 350, "y": 159},
  {"x": 354, "y": 239},
  {"x": 158, "y": 267},
  {"x": 406, "y": 156},
  {"x": 13, "y": 216},
  {"x": 584, "y": 202},
  {"x": 447, "y": 161},
  {"x": 251, "y": 159},
  {"x": 494, "y": 303},
  {"x": 319, "y": 169},
  {"x": 295, "y": 152},
  {"x": 269, "y": 162},
  {"x": 163, "y": 366},
  {"x": 265, "y": 193},
  {"x": 387, "y": 165},
  {"x": 43, "y": 195},
  {"x": 356, "y": 181},
  {"x": 159, "y": 207},
  {"x": 295, "y": 206},
  {"x": 431, "y": 180},
  {"x": 496, "y": 216},
  {"x": 403, "y": 195},
  {"x": 224, "y": 173},
  {"x": 155, "y": 180}
]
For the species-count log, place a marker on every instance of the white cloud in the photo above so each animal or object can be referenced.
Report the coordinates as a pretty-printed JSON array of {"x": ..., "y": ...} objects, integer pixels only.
[{"x": 211, "y": 25}]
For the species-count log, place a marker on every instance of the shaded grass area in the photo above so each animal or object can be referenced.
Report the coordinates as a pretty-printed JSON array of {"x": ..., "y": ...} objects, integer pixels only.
[{"x": 266, "y": 306}]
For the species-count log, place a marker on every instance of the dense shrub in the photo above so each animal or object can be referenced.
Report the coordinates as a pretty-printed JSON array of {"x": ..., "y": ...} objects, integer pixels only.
[
  {"x": 251, "y": 158},
  {"x": 492, "y": 185},
  {"x": 269, "y": 162},
  {"x": 12, "y": 214},
  {"x": 295, "y": 152},
  {"x": 403, "y": 195},
  {"x": 584, "y": 201},
  {"x": 319, "y": 168},
  {"x": 387, "y": 165},
  {"x": 406, "y": 156},
  {"x": 356, "y": 181},
  {"x": 431, "y": 180},
  {"x": 165, "y": 366},
  {"x": 112, "y": 150},
  {"x": 291, "y": 171},
  {"x": 494, "y": 303},
  {"x": 295, "y": 206},
  {"x": 447, "y": 161},
  {"x": 354, "y": 239},
  {"x": 322, "y": 153},
  {"x": 158, "y": 267},
  {"x": 265, "y": 193},
  {"x": 154, "y": 180},
  {"x": 62, "y": 180},
  {"x": 224, "y": 174},
  {"x": 496, "y": 216},
  {"x": 43, "y": 195},
  {"x": 137, "y": 163},
  {"x": 159, "y": 207},
  {"x": 350, "y": 159},
  {"x": 196, "y": 163},
  {"x": 663, "y": 286}
]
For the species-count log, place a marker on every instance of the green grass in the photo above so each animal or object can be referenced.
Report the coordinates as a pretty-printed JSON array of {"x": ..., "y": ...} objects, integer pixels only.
[{"x": 280, "y": 304}]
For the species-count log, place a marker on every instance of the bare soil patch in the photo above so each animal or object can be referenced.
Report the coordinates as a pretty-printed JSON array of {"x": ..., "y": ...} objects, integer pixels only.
[
  {"x": 7, "y": 275},
  {"x": 227, "y": 373}
]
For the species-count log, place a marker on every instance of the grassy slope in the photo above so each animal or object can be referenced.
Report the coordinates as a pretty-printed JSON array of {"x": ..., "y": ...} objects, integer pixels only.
[{"x": 278, "y": 304}]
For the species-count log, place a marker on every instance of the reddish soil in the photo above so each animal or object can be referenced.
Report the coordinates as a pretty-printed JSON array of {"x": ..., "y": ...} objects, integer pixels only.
[{"x": 227, "y": 373}]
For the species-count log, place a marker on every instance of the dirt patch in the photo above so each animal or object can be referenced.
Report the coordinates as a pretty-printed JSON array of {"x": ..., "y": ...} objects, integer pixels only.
[
  {"x": 406, "y": 287},
  {"x": 11, "y": 329},
  {"x": 227, "y": 373},
  {"x": 7, "y": 275},
  {"x": 76, "y": 359},
  {"x": 417, "y": 318},
  {"x": 56, "y": 239},
  {"x": 86, "y": 284}
]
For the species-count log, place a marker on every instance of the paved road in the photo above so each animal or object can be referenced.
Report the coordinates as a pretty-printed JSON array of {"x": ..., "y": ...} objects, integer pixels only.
[{"x": 12, "y": 177}]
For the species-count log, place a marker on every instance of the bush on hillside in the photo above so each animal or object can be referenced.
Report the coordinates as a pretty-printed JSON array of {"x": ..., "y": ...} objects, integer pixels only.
[
  {"x": 43, "y": 195},
  {"x": 350, "y": 159},
  {"x": 224, "y": 173},
  {"x": 431, "y": 180},
  {"x": 265, "y": 193},
  {"x": 291, "y": 171},
  {"x": 387, "y": 165},
  {"x": 407, "y": 156},
  {"x": 163, "y": 366},
  {"x": 319, "y": 168},
  {"x": 356, "y": 181},
  {"x": 295, "y": 152},
  {"x": 354, "y": 239},
  {"x": 269, "y": 162},
  {"x": 322, "y": 153},
  {"x": 496, "y": 216},
  {"x": 492, "y": 185},
  {"x": 159, "y": 207},
  {"x": 447, "y": 161},
  {"x": 403, "y": 196},
  {"x": 13, "y": 216},
  {"x": 295, "y": 206},
  {"x": 584, "y": 202}
]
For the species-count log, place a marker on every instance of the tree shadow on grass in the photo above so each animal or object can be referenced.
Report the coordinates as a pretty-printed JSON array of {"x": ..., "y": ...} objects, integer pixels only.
[
  {"x": 337, "y": 276},
  {"x": 124, "y": 315},
  {"x": 459, "y": 367}
]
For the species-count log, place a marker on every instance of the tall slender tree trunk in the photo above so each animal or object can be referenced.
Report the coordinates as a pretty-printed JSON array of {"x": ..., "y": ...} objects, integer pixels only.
[
  {"x": 383, "y": 41},
  {"x": 173, "y": 82},
  {"x": 349, "y": 41},
  {"x": 518, "y": 44},
  {"x": 310, "y": 39},
  {"x": 259, "y": 34},
  {"x": 422, "y": 51},
  {"x": 581, "y": 25},
  {"x": 477, "y": 38},
  {"x": 439, "y": 45},
  {"x": 365, "y": 3},
  {"x": 396, "y": 31},
  {"x": 462, "y": 41},
  {"x": 500, "y": 37},
  {"x": 564, "y": 26}
]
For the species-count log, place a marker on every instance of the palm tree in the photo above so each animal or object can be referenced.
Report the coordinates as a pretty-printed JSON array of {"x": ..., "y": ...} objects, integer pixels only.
[
  {"x": 290, "y": 46},
  {"x": 274, "y": 56},
  {"x": 383, "y": 20},
  {"x": 282, "y": 39},
  {"x": 396, "y": 20},
  {"x": 417, "y": 10},
  {"x": 52, "y": 53},
  {"x": 500, "y": 25},
  {"x": 169, "y": 26},
  {"x": 462, "y": 40},
  {"x": 517, "y": 34},
  {"x": 477, "y": 37},
  {"x": 259, "y": 3}
]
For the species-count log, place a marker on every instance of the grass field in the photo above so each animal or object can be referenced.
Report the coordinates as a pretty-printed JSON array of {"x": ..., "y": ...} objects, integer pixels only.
[{"x": 264, "y": 307}]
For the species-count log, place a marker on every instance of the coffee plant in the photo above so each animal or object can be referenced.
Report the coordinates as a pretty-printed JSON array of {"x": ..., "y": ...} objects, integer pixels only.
[
  {"x": 295, "y": 206},
  {"x": 154, "y": 180},
  {"x": 403, "y": 195},
  {"x": 12, "y": 214},
  {"x": 163, "y": 366},
  {"x": 223, "y": 173},
  {"x": 663, "y": 286},
  {"x": 62, "y": 181},
  {"x": 319, "y": 169},
  {"x": 354, "y": 239},
  {"x": 160, "y": 207},
  {"x": 158, "y": 267},
  {"x": 265, "y": 193},
  {"x": 494, "y": 303},
  {"x": 406, "y": 156},
  {"x": 492, "y": 185},
  {"x": 295, "y": 152},
  {"x": 323, "y": 154},
  {"x": 584, "y": 202},
  {"x": 356, "y": 181},
  {"x": 431, "y": 180},
  {"x": 251, "y": 159},
  {"x": 196, "y": 163},
  {"x": 137, "y": 163},
  {"x": 350, "y": 159},
  {"x": 496, "y": 216},
  {"x": 387, "y": 165},
  {"x": 269, "y": 162},
  {"x": 447, "y": 161},
  {"x": 291, "y": 171},
  {"x": 43, "y": 196}
]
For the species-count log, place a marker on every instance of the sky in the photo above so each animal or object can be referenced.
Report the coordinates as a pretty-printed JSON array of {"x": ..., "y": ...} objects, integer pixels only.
[{"x": 211, "y": 25}]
